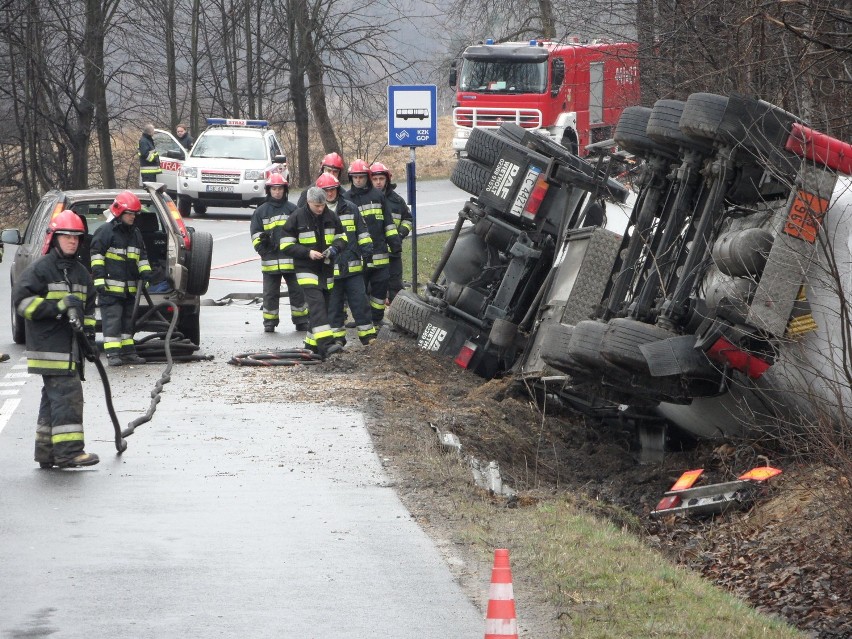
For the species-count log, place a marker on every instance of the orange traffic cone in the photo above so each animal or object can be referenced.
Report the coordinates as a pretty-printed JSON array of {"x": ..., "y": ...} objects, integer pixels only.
[{"x": 500, "y": 621}]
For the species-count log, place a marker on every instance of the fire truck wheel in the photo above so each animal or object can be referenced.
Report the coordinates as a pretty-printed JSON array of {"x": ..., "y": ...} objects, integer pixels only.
[
  {"x": 200, "y": 257},
  {"x": 620, "y": 344},
  {"x": 470, "y": 176},
  {"x": 409, "y": 313},
  {"x": 503, "y": 333},
  {"x": 184, "y": 206},
  {"x": 585, "y": 344},
  {"x": 663, "y": 126},
  {"x": 631, "y": 134},
  {"x": 557, "y": 338},
  {"x": 702, "y": 115}
]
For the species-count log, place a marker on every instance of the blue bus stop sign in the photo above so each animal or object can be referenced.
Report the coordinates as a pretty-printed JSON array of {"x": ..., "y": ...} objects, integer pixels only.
[{"x": 412, "y": 117}]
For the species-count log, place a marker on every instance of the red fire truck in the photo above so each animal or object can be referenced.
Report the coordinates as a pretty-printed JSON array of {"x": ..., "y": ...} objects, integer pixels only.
[{"x": 574, "y": 91}]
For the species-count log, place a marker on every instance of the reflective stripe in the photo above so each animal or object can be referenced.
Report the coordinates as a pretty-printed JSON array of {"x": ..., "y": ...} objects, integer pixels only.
[
  {"x": 67, "y": 428},
  {"x": 270, "y": 315},
  {"x": 339, "y": 333},
  {"x": 67, "y": 437},
  {"x": 300, "y": 311},
  {"x": 365, "y": 330},
  {"x": 29, "y": 305},
  {"x": 307, "y": 279},
  {"x": 48, "y": 355},
  {"x": 377, "y": 304},
  {"x": 50, "y": 365},
  {"x": 322, "y": 332},
  {"x": 307, "y": 238}
]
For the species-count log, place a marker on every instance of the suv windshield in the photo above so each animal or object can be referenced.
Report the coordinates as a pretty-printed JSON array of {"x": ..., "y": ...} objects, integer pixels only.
[
  {"x": 503, "y": 76},
  {"x": 237, "y": 147}
]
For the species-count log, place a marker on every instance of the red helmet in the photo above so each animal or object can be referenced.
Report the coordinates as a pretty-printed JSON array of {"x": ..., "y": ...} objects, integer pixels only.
[
  {"x": 377, "y": 168},
  {"x": 64, "y": 223},
  {"x": 333, "y": 160},
  {"x": 125, "y": 201},
  {"x": 328, "y": 181},
  {"x": 358, "y": 167},
  {"x": 276, "y": 179}
]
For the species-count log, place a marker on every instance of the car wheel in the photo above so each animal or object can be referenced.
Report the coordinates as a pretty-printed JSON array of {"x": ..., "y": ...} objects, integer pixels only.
[
  {"x": 555, "y": 339},
  {"x": 470, "y": 176},
  {"x": 200, "y": 258},
  {"x": 409, "y": 313},
  {"x": 702, "y": 115},
  {"x": 18, "y": 327},
  {"x": 620, "y": 344},
  {"x": 184, "y": 206},
  {"x": 631, "y": 134},
  {"x": 199, "y": 208},
  {"x": 189, "y": 324}
]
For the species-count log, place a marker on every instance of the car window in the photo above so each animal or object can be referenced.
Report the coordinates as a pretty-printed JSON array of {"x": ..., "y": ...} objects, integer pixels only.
[
  {"x": 274, "y": 149},
  {"x": 237, "y": 147},
  {"x": 165, "y": 143},
  {"x": 37, "y": 226}
]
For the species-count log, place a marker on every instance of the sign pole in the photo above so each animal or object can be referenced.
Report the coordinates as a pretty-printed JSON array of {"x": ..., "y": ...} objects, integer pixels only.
[{"x": 411, "y": 181}]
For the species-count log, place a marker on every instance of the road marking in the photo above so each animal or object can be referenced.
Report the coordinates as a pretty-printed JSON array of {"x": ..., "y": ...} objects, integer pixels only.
[
  {"x": 20, "y": 383},
  {"x": 425, "y": 204},
  {"x": 6, "y": 411},
  {"x": 235, "y": 262},
  {"x": 17, "y": 375},
  {"x": 19, "y": 366},
  {"x": 228, "y": 237},
  {"x": 8, "y": 391}
]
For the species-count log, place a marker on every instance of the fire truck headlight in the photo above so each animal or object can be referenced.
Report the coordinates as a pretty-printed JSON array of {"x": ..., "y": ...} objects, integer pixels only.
[{"x": 463, "y": 133}]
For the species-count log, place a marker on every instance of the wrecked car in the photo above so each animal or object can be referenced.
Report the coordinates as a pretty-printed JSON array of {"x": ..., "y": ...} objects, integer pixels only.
[{"x": 722, "y": 304}]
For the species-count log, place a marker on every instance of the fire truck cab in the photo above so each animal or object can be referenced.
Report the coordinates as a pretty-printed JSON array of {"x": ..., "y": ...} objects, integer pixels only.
[{"x": 574, "y": 92}]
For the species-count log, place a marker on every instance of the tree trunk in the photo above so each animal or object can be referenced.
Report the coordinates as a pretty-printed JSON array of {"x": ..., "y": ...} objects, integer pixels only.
[
  {"x": 319, "y": 108},
  {"x": 194, "y": 117},
  {"x": 548, "y": 27},
  {"x": 296, "y": 19}
]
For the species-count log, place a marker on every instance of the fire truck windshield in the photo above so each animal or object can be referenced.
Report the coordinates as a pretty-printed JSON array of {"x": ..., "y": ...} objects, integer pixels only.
[{"x": 503, "y": 76}]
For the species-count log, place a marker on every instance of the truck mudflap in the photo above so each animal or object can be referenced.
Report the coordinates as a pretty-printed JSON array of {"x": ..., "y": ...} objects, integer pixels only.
[{"x": 448, "y": 337}]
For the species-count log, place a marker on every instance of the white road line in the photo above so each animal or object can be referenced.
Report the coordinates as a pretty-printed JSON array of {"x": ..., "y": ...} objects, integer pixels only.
[
  {"x": 228, "y": 237},
  {"x": 19, "y": 366},
  {"x": 6, "y": 411},
  {"x": 8, "y": 391},
  {"x": 16, "y": 375},
  {"x": 425, "y": 204},
  {"x": 20, "y": 383}
]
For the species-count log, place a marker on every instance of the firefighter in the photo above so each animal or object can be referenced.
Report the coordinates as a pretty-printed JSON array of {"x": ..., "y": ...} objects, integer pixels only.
[
  {"x": 266, "y": 223},
  {"x": 349, "y": 287},
  {"x": 380, "y": 176},
  {"x": 56, "y": 297},
  {"x": 119, "y": 261},
  {"x": 149, "y": 158},
  {"x": 374, "y": 209},
  {"x": 331, "y": 163},
  {"x": 313, "y": 236}
]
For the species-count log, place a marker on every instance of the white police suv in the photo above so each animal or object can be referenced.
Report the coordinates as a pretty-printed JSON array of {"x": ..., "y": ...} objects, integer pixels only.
[{"x": 228, "y": 164}]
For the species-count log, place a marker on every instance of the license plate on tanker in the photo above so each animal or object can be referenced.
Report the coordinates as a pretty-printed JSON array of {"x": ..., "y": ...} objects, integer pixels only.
[{"x": 219, "y": 188}]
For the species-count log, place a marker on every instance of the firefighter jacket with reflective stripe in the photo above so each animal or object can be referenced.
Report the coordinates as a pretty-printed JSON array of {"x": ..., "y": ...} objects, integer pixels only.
[
  {"x": 149, "y": 158},
  {"x": 374, "y": 209},
  {"x": 303, "y": 232},
  {"x": 399, "y": 211},
  {"x": 269, "y": 218},
  {"x": 51, "y": 346},
  {"x": 359, "y": 245},
  {"x": 118, "y": 259}
]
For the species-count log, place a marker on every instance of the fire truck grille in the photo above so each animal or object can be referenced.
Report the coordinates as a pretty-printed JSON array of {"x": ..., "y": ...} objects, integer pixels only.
[
  {"x": 208, "y": 177},
  {"x": 470, "y": 117}
]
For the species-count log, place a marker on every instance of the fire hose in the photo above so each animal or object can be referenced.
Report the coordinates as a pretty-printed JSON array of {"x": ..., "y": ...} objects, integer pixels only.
[{"x": 284, "y": 357}]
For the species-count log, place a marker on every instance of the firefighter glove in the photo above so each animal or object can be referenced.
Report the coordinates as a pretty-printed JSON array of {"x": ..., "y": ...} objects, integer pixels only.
[
  {"x": 330, "y": 253},
  {"x": 69, "y": 301}
]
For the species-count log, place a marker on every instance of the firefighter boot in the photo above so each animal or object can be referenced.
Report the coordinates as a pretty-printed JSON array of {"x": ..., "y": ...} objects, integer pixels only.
[
  {"x": 43, "y": 447},
  {"x": 80, "y": 459},
  {"x": 114, "y": 359},
  {"x": 132, "y": 358},
  {"x": 303, "y": 326}
]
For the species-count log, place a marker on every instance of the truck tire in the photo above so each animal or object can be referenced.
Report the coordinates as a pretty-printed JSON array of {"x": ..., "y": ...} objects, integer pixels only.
[
  {"x": 664, "y": 126},
  {"x": 200, "y": 257},
  {"x": 620, "y": 344},
  {"x": 585, "y": 345},
  {"x": 631, "y": 134},
  {"x": 470, "y": 176},
  {"x": 503, "y": 333},
  {"x": 189, "y": 324},
  {"x": 409, "y": 313},
  {"x": 555, "y": 340},
  {"x": 702, "y": 115}
]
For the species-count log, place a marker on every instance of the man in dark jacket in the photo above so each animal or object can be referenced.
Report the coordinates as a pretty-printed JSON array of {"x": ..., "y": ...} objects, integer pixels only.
[
  {"x": 313, "y": 236},
  {"x": 149, "y": 158},
  {"x": 374, "y": 209},
  {"x": 119, "y": 261},
  {"x": 380, "y": 176},
  {"x": 266, "y": 223},
  {"x": 183, "y": 136},
  {"x": 349, "y": 268},
  {"x": 56, "y": 298}
]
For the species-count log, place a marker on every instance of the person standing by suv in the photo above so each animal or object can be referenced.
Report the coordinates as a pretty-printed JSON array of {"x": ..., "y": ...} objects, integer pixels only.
[
  {"x": 56, "y": 297},
  {"x": 372, "y": 205},
  {"x": 267, "y": 221},
  {"x": 119, "y": 261},
  {"x": 380, "y": 176},
  {"x": 149, "y": 158},
  {"x": 183, "y": 136},
  {"x": 313, "y": 236}
]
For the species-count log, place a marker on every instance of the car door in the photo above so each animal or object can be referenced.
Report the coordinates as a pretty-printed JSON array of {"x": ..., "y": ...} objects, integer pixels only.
[{"x": 172, "y": 156}]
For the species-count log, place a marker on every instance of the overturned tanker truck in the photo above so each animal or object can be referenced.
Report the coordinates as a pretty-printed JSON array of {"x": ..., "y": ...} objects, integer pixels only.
[{"x": 724, "y": 304}]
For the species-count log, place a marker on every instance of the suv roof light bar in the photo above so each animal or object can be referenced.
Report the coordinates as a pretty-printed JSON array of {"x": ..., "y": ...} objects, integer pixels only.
[{"x": 236, "y": 122}]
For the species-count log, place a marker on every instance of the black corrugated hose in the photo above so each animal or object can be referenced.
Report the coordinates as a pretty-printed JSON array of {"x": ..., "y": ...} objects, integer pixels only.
[{"x": 283, "y": 357}]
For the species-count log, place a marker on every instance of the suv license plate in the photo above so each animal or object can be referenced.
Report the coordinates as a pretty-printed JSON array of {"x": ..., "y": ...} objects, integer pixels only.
[{"x": 219, "y": 188}]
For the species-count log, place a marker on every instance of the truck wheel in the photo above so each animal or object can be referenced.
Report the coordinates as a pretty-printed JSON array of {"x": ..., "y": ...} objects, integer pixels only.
[
  {"x": 200, "y": 258},
  {"x": 200, "y": 208},
  {"x": 585, "y": 345},
  {"x": 556, "y": 339},
  {"x": 702, "y": 115},
  {"x": 470, "y": 176},
  {"x": 18, "y": 327},
  {"x": 409, "y": 313},
  {"x": 189, "y": 324},
  {"x": 620, "y": 344},
  {"x": 503, "y": 333},
  {"x": 664, "y": 126},
  {"x": 631, "y": 134},
  {"x": 184, "y": 206}
]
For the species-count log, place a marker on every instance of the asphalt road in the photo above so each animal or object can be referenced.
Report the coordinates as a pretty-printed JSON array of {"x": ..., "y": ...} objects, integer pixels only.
[{"x": 225, "y": 517}]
